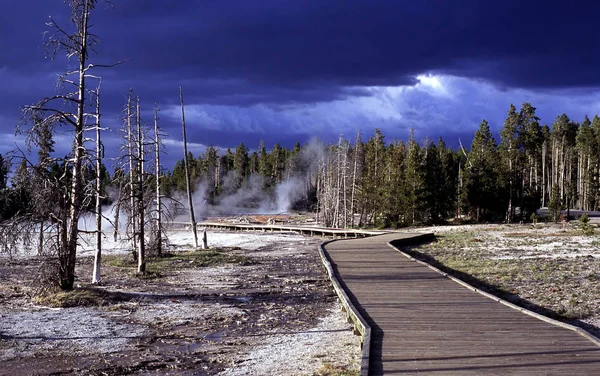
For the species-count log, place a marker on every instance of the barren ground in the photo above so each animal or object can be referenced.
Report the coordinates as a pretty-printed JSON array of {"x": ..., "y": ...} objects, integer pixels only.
[
  {"x": 551, "y": 269},
  {"x": 254, "y": 305}
]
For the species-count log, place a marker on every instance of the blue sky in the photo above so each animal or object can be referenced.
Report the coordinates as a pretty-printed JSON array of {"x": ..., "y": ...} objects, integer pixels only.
[{"x": 286, "y": 71}]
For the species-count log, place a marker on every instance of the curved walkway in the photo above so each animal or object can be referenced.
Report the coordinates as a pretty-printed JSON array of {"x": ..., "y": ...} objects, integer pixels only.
[{"x": 423, "y": 323}]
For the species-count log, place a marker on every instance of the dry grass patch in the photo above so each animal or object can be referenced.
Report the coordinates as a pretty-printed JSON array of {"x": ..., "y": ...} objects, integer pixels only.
[
  {"x": 328, "y": 369},
  {"x": 80, "y": 297}
]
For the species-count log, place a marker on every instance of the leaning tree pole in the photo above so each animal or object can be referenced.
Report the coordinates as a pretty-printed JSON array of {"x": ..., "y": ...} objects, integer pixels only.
[{"x": 187, "y": 172}]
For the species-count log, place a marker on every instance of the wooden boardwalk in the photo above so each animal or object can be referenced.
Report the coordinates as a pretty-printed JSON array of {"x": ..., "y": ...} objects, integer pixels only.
[{"x": 423, "y": 323}]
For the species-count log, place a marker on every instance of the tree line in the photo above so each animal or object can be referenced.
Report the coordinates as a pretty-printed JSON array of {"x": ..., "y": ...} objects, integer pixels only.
[
  {"x": 399, "y": 183},
  {"x": 346, "y": 183},
  {"x": 402, "y": 183}
]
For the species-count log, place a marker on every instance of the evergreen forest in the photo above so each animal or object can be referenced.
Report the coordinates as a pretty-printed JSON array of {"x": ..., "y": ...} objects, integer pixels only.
[{"x": 358, "y": 182}]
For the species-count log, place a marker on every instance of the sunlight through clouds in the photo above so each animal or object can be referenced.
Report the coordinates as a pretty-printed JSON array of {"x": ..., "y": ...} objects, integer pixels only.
[
  {"x": 433, "y": 85},
  {"x": 437, "y": 105}
]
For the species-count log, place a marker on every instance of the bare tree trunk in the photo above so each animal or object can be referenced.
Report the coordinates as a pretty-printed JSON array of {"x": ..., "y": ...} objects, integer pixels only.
[
  {"x": 140, "y": 193},
  {"x": 509, "y": 217},
  {"x": 544, "y": 151},
  {"x": 353, "y": 193},
  {"x": 132, "y": 167},
  {"x": 187, "y": 172},
  {"x": 98, "y": 254},
  {"x": 459, "y": 191},
  {"x": 562, "y": 169},
  {"x": 587, "y": 183},
  {"x": 158, "y": 240},
  {"x": 67, "y": 275},
  {"x": 338, "y": 186},
  {"x": 345, "y": 188},
  {"x": 319, "y": 192},
  {"x": 581, "y": 180}
]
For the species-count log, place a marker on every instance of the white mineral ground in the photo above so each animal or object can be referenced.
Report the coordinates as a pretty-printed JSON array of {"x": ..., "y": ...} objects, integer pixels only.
[
  {"x": 304, "y": 352},
  {"x": 523, "y": 241},
  {"x": 87, "y": 330}
]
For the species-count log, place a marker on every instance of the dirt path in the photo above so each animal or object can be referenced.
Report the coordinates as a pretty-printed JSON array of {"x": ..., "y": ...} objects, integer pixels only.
[{"x": 268, "y": 310}]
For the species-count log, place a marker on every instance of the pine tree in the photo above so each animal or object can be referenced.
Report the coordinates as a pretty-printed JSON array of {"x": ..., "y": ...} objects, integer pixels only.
[
  {"x": 532, "y": 141},
  {"x": 563, "y": 138},
  {"x": 414, "y": 181},
  {"x": 211, "y": 167},
  {"x": 594, "y": 173},
  {"x": 555, "y": 204},
  {"x": 240, "y": 164},
  {"x": 482, "y": 176},
  {"x": 264, "y": 164},
  {"x": 277, "y": 163},
  {"x": 294, "y": 165},
  {"x": 4, "y": 170},
  {"x": 511, "y": 155},
  {"x": 394, "y": 199},
  {"x": 450, "y": 165},
  {"x": 585, "y": 148},
  {"x": 434, "y": 185},
  {"x": 373, "y": 180},
  {"x": 22, "y": 184},
  {"x": 5, "y": 193}
]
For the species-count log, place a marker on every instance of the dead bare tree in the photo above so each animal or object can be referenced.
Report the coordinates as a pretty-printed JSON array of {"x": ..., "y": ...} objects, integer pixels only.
[
  {"x": 132, "y": 168},
  {"x": 187, "y": 172},
  {"x": 69, "y": 108},
  {"x": 148, "y": 212},
  {"x": 357, "y": 155},
  {"x": 140, "y": 192},
  {"x": 99, "y": 157},
  {"x": 159, "y": 210}
]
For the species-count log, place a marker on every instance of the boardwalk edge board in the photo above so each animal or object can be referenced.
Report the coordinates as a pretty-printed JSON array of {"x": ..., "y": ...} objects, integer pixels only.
[
  {"x": 306, "y": 230},
  {"x": 398, "y": 243},
  {"x": 360, "y": 324}
]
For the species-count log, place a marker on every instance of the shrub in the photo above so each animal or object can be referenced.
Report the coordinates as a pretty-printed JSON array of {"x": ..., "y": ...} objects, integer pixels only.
[{"x": 584, "y": 222}]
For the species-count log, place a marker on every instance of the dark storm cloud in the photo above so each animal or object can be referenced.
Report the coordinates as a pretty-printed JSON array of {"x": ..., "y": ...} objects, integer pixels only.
[
  {"x": 332, "y": 44},
  {"x": 296, "y": 46},
  {"x": 235, "y": 55}
]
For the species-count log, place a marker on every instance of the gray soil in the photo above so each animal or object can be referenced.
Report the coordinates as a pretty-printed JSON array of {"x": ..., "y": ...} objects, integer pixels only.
[{"x": 274, "y": 313}]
